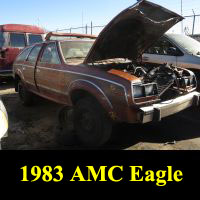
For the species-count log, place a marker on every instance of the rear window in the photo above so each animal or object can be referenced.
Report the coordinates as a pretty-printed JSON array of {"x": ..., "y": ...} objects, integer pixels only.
[
  {"x": 2, "y": 39},
  {"x": 17, "y": 40},
  {"x": 34, "y": 39},
  {"x": 23, "y": 56}
]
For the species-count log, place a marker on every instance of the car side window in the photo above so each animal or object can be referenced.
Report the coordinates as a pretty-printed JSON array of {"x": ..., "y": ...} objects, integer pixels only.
[
  {"x": 50, "y": 54},
  {"x": 163, "y": 47},
  {"x": 34, "y": 53},
  {"x": 17, "y": 40},
  {"x": 23, "y": 56},
  {"x": 2, "y": 39},
  {"x": 34, "y": 39}
]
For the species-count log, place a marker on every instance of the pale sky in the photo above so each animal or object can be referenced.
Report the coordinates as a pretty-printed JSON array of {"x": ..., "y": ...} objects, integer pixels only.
[{"x": 63, "y": 14}]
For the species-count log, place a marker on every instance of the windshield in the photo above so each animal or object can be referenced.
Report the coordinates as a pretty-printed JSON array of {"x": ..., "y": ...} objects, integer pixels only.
[
  {"x": 189, "y": 44},
  {"x": 75, "y": 49},
  {"x": 2, "y": 39}
]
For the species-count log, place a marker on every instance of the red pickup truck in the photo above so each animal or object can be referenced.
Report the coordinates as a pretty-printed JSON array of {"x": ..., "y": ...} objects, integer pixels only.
[{"x": 101, "y": 79}]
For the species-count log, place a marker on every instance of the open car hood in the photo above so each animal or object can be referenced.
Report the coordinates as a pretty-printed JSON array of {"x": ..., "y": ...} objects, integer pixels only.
[{"x": 131, "y": 32}]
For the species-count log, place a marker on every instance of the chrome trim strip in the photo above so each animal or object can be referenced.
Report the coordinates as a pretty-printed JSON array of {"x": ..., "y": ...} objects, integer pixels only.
[
  {"x": 47, "y": 88},
  {"x": 30, "y": 83},
  {"x": 27, "y": 66},
  {"x": 23, "y": 65},
  {"x": 94, "y": 86},
  {"x": 5, "y": 70},
  {"x": 51, "y": 89}
]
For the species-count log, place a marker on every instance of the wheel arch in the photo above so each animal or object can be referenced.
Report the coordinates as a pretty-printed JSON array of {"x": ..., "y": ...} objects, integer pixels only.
[{"x": 83, "y": 88}]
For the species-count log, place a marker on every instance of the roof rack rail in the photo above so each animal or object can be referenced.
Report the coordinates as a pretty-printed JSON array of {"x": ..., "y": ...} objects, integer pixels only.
[{"x": 70, "y": 35}]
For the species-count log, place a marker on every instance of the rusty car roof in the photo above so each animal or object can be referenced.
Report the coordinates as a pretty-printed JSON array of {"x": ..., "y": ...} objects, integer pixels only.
[
  {"x": 70, "y": 35},
  {"x": 21, "y": 28}
]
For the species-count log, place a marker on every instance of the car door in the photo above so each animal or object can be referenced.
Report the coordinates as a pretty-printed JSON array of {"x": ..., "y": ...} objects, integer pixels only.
[
  {"x": 29, "y": 66},
  {"x": 48, "y": 76},
  {"x": 163, "y": 51}
]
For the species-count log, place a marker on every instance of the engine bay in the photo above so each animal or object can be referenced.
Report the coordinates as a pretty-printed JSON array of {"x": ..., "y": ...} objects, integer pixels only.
[
  {"x": 170, "y": 81},
  {"x": 167, "y": 77}
]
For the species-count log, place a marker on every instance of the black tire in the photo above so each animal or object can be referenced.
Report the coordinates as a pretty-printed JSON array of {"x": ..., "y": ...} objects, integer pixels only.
[
  {"x": 93, "y": 127},
  {"x": 65, "y": 133},
  {"x": 197, "y": 74},
  {"x": 25, "y": 96}
]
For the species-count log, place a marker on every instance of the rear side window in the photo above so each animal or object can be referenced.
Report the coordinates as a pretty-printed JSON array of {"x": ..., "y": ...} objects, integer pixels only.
[
  {"x": 34, "y": 39},
  {"x": 23, "y": 56},
  {"x": 2, "y": 39},
  {"x": 34, "y": 53},
  {"x": 17, "y": 40}
]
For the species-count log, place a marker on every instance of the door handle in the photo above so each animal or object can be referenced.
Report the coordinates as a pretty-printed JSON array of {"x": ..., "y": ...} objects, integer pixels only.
[{"x": 38, "y": 70}]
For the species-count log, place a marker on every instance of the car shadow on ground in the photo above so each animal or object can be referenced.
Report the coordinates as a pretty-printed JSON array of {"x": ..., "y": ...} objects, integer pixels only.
[{"x": 182, "y": 126}]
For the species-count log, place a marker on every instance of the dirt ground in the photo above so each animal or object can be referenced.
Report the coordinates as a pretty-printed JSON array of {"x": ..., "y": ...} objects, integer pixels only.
[{"x": 33, "y": 128}]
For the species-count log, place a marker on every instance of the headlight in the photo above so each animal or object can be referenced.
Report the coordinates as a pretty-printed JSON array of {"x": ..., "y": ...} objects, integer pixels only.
[
  {"x": 138, "y": 91},
  {"x": 146, "y": 90},
  {"x": 150, "y": 90},
  {"x": 187, "y": 81},
  {"x": 3, "y": 124}
]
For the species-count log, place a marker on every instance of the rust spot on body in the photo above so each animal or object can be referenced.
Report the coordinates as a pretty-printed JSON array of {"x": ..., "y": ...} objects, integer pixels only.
[{"x": 124, "y": 75}]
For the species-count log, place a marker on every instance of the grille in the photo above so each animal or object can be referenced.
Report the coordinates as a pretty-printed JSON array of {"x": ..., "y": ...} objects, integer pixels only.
[{"x": 164, "y": 87}]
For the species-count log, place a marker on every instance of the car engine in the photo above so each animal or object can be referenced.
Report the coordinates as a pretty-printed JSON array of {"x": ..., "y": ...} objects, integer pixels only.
[{"x": 170, "y": 81}]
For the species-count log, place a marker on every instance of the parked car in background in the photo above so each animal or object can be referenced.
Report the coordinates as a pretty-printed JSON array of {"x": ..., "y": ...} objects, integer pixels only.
[
  {"x": 100, "y": 80},
  {"x": 176, "y": 49},
  {"x": 3, "y": 121},
  {"x": 13, "y": 38},
  {"x": 196, "y": 37}
]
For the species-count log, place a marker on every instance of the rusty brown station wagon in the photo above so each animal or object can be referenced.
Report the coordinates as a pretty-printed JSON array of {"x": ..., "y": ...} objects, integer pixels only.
[{"x": 102, "y": 81}]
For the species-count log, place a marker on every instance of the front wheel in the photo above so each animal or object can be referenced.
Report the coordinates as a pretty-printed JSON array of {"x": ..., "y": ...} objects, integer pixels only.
[
  {"x": 65, "y": 127},
  {"x": 198, "y": 80},
  {"x": 92, "y": 126}
]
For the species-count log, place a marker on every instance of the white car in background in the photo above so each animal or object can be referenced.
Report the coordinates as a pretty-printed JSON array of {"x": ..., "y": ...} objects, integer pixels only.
[
  {"x": 3, "y": 121},
  {"x": 176, "y": 49}
]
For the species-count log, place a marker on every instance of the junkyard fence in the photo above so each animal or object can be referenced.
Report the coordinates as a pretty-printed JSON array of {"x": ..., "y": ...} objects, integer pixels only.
[
  {"x": 87, "y": 29},
  {"x": 190, "y": 26}
]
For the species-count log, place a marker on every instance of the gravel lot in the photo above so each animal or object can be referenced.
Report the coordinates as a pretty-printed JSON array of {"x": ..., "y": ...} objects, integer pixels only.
[{"x": 34, "y": 128}]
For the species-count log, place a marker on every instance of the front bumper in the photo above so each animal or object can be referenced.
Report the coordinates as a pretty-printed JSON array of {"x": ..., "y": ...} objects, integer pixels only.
[{"x": 158, "y": 111}]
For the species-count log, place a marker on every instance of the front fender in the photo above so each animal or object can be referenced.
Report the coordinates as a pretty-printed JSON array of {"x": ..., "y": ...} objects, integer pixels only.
[{"x": 94, "y": 90}]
